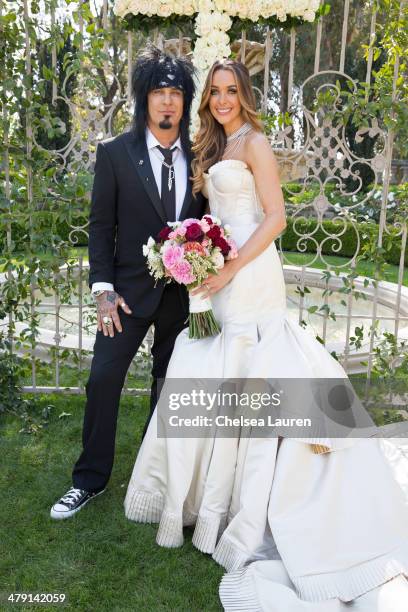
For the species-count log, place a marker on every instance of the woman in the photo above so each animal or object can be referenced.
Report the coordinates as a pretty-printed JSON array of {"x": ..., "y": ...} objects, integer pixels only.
[{"x": 299, "y": 524}]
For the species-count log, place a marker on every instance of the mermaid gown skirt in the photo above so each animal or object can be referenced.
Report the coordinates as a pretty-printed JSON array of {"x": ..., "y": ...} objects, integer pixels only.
[{"x": 295, "y": 529}]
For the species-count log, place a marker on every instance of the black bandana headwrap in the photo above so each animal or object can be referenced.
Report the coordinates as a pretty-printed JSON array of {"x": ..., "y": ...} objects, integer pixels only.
[
  {"x": 155, "y": 69},
  {"x": 168, "y": 74}
]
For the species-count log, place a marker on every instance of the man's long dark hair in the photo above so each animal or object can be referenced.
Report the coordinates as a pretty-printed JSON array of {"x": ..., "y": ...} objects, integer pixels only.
[{"x": 145, "y": 72}]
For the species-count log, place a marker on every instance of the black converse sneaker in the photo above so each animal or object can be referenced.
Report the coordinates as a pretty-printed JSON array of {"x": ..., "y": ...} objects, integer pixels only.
[{"x": 72, "y": 502}]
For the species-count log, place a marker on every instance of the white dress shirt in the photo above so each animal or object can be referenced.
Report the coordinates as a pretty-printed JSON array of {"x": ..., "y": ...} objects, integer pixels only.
[{"x": 180, "y": 174}]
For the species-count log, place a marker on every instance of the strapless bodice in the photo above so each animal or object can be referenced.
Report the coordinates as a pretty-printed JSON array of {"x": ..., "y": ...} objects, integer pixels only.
[{"x": 231, "y": 192}]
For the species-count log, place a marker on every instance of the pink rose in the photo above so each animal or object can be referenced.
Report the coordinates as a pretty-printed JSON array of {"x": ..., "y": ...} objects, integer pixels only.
[
  {"x": 172, "y": 255},
  {"x": 179, "y": 231},
  {"x": 205, "y": 226},
  {"x": 233, "y": 254},
  {"x": 182, "y": 272}
]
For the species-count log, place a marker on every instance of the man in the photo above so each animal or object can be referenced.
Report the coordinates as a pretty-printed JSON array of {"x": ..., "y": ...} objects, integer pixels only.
[{"x": 141, "y": 182}]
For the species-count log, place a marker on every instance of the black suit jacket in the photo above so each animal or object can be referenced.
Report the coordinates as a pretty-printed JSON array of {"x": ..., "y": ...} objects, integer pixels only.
[{"x": 125, "y": 210}]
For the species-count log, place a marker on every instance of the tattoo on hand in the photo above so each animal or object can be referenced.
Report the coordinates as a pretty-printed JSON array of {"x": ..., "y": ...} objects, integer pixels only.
[{"x": 111, "y": 296}]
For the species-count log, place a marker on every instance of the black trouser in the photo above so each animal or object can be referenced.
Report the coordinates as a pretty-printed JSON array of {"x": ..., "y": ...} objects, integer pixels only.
[{"x": 110, "y": 363}]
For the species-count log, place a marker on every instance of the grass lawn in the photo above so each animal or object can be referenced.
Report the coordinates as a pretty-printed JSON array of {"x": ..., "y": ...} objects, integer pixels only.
[
  {"x": 363, "y": 268},
  {"x": 98, "y": 558}
]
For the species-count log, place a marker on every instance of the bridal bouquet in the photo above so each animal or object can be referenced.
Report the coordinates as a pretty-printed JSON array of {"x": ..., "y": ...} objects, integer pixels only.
[{"x": 187, "y": 252}]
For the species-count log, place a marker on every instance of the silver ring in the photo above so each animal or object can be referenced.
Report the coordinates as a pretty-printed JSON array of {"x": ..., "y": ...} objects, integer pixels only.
[
  {"x": 107, "y": 320},
  {"x": 206, "y": 286}
]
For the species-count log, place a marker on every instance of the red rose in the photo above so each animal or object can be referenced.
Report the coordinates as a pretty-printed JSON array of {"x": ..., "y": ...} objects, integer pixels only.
[
  {"x": 223, "y": 245},
  {"x": 164, "y": 233},
  {"x": 214, "y": 232},
  {"x": 194, "y": 232},
  {"x": 208, "y": 219}
]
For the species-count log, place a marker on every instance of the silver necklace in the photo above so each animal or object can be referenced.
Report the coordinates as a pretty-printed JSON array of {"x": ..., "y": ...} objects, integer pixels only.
[
  {"x": 172, "y": 175},
  {"x": 234, "y": 140},
  {"x": 244, "y": 129}
]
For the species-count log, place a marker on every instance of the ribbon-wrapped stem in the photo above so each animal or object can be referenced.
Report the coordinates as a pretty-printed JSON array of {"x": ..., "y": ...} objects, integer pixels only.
[{"x": 202, "y": 322}]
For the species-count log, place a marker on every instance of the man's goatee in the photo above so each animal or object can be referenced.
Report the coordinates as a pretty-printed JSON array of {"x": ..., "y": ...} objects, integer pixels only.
[{"x": 165, "y": 124}]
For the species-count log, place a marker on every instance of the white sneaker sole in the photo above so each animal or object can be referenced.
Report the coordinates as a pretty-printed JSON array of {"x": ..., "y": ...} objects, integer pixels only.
[{"x": 64, "y": 515}]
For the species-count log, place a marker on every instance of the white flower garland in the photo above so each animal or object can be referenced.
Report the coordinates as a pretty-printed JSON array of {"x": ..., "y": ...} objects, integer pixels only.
[
  {"x": 244, "y": 9},
  {"x": 213, "y": 21},
  {"x": 212, "y": 43}
]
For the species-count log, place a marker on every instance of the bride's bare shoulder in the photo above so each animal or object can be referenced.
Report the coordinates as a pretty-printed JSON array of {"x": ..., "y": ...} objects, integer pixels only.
[
  {"x": 257, "y": 139},
  {"x": 258, "y": 148}
]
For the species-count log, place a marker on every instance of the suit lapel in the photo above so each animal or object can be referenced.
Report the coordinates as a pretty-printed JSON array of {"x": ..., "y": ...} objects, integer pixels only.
[
  {"x": 139, "y": 155},
  {"x": 188, "y": 195}
]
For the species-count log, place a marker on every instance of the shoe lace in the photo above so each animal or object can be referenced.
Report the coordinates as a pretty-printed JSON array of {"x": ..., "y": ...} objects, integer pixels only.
[{"x": 72, "y": 495}]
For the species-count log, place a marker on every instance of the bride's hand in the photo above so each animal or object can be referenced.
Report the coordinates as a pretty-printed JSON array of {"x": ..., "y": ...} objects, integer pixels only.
[{"x": 215, "y": 282}]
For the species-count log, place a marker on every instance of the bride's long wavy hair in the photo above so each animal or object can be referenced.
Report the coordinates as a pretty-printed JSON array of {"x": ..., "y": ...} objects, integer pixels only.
[{"x": 210, "y": 141}]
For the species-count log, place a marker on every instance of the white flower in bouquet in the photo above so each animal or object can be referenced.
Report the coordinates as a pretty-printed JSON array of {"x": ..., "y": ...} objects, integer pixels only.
[
  {"x": 217, "y": 258},
  {"x": 155, "y": 264},
  {"x": 149, "y": 246}
]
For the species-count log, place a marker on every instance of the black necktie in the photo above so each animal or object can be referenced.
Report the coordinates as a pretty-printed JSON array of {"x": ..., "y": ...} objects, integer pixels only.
[{"x": 168, "y": 197}]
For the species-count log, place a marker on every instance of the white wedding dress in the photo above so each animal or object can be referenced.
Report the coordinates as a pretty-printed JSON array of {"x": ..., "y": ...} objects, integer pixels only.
[{"x": 296, "y": 529}]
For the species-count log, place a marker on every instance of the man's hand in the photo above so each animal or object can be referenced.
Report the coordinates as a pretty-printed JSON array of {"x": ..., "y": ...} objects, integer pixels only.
[{"x": 107, "y": 306}]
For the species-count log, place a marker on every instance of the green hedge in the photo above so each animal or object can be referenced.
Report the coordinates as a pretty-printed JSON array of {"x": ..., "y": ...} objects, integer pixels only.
[
  {"x": 348, "y": 239},
  {"x": 289, "y": 238}
]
